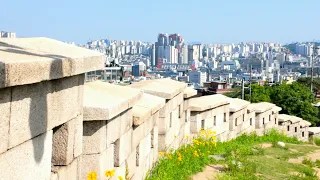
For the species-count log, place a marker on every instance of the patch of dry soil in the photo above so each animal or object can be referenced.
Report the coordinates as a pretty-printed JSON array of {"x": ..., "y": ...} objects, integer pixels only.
[
  {"x": 266, "y": 145},
  {"x": 209, "y": 172}
]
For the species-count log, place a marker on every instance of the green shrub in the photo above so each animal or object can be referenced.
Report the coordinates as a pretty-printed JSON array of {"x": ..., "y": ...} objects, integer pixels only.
[{"x": 317, "y": 141}]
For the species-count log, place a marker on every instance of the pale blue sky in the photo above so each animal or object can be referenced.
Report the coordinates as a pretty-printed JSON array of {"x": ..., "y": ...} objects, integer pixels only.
[{"x": 208, "y": 21}]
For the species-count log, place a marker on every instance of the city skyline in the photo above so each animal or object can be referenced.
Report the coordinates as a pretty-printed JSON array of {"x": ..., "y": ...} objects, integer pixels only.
[{"x": 198, "y": 21}]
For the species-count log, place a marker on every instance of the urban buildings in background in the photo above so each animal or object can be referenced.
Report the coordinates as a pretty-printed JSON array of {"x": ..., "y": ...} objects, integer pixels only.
[
  {"x": 197, "y": 63},
  {"x": 4, "y": 34}
]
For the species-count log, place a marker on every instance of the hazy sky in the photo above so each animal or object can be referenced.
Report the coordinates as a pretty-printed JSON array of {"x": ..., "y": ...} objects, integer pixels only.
[{"x": 208, "y": 21}]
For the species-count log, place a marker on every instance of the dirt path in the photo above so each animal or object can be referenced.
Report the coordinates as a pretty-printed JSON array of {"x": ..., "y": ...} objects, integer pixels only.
[
  {"x": 208, "y": 173},
  {"x": 313, "y": 156}
]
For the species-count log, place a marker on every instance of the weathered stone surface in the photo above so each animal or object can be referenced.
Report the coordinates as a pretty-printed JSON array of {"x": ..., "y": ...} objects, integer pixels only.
[
  {"x": 94, "y": 137},
  {"x": 132, "y": 162},
  {"x": 78, "y": 137},
  {"x": 98, "y": 163},
  {"x": 28, "y": 161},
  {"x": 5, "y": 101},
  {"x": 237, "y": 104},
  {"x": 37, "y": 108},
  {"x": 101, "y": 105},
  {"x": 143, "y": 149},
  {"x": 119, "y": 125},
  {"x": 189, "y": 92},
  {"x": 207, "y": 102},
  {"x": 260, "y": 107},
  {"x": 164, "y": 88},
  {"x": 165, "y": 124},
  {"x": 151, "y": 102},
  {"x": 32, "y": 60},
  {"x": 122, "y": 148},
  {"x": 141, "y": 114},
  {"x": 63, "y": 143},
  {"x": 154, "y": 136},
  {"x": 142, "y": 131},
  {"x": 71, "y": 171},
  {"x": 142, "y": 170}
]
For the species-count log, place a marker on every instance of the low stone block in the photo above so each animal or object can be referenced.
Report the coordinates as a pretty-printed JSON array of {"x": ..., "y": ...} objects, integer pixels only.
[
  {"x": 166, "y": 140},
  {"x": 94, "y": 137},
  {"x": 142, "y": 170},
  {"x": 181, "y": 110},
  {"x": 71, "y": 171},
  {"x": 28, "y": 161},
  {"x": 175, "y": 121},
  {"x": 132, "y": 163},
  {"x": 141, "y": 131},
  {"x": 165, "y": 110},
  {"x": 155, "y": 151},
  {"x": 37, "y": 108},
  {"x": 164, "y": 124},
  {"x": 119, "y": 125},
  {"x": 143, "y": 149},
  {"x": 64, "y": 142},
  {"x": 98, "y": 163},
  {"x": 78, "y": 137},
  {"x": 195, "y": 126},
  {"x": 186, "y": 104},
  {"x": 154, "y": 136},
  {"x": 122, "y": 148},
  {"x": 141, "y": 114},
  {"x": 5, "y": 98}
]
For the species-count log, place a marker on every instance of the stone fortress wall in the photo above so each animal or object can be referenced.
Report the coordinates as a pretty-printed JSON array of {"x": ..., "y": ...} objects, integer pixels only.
[{"x": 56, "y": 127}]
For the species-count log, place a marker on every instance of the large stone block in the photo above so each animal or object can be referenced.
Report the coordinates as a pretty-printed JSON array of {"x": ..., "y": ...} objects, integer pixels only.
[
  {"x": 166, "y": 140},
  {"x": 175, "y": 121},
  {"x": 141, "y": 114},
  {"x": 141, "y": 131},
  {"x": 165, "y": 110},
  {"x": 143, "y": 149},
  {"x": 28, "y": 161},
  {"x": 98, "y": 163},
  {"x": 132, "y": 163},
  {"x": 123, "y": 147},
  {"x": 71, "y": 171},
  {"x": 142, "y": 170},
  {"x": 37, "y": 108},
  {"x": 94, "y": 136},
  {"x": 64, "y": 142},
  {"x": 32, "y": 60},
  {"x": 154, "y": 136},
  {"x": 119, "y": 125},
  {"x": 165, "y": 123},
  {"x": 5, "y": 101},
  {"x": 78, "y": 137},
  {"x": 155, "y": 151}
]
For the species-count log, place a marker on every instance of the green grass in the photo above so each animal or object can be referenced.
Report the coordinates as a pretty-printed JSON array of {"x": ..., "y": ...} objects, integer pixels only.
[{"x": 256, "y": 163}]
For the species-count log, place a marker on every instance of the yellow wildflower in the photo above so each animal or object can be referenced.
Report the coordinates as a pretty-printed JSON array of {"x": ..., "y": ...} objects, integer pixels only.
[
  {"x": 195, "y": 153},
  {"x": 187, "y": 137},
  {"x": 120, "y": 178},
  {"x": 92, "y": 176},
  {"x": 109, "y": 173},
  {"x": 179, "y": 158}
]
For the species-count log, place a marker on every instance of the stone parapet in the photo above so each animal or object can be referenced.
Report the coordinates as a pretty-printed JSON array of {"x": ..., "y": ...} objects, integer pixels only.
[{"x": 41, "y": 97}]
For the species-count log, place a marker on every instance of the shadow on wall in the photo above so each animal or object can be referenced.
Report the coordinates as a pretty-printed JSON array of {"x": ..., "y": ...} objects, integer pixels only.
[{"x": 38, "y": 94}]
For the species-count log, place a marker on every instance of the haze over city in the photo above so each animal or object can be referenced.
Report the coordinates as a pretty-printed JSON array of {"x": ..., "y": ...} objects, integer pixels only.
[{"x": 203, "y": 21}]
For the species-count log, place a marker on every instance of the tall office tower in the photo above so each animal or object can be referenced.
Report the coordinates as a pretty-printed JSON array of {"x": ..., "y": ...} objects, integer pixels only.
[
  {"x": 153, "y": 55},
  {"x": 184, "y": 54}
]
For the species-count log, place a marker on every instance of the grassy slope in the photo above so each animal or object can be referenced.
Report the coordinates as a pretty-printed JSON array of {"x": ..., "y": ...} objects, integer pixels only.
[{"x": 256, "y": 162}]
